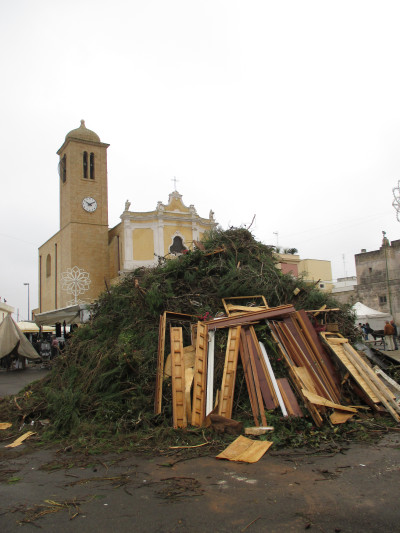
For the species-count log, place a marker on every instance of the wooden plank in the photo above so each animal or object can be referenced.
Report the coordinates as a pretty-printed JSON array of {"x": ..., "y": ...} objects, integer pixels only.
[
  {"x": 318, "y": 400},
  {"x": 178, "y": 379},
  {"x": 305, "y": 378},
  {"x": 160, "y": 364},
  {"x": 267, "y": 370},
  {"x": 254, "y": 374},
  {"x": 289, "y": 398},
  {"x": 245, "y": 450},
  {"x": 378, "y": 388},
  {"x": 269, "y": 397},
  {"x": 307, "y": 358},
  {"x": 245, "y": 357},
  {"x": 229, "y": 376},
  {"x": 200, "y": 376},
  {"x": 325, "y": 362},
  {"x": 233, "y": 307},
  {"x": 272, "y": 312},
  {"x": 298, "y": 385},
  {"x": 339, "y": 352}
]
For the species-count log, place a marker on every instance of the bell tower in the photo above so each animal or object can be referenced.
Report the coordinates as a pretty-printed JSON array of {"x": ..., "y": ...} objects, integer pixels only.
[
  {"x": 83, "y": 178},
  {"x": 83, "y": 236}
]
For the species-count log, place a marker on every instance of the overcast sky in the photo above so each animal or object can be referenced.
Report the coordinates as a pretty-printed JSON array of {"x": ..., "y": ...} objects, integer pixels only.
[{"x": 287, "y": 110}]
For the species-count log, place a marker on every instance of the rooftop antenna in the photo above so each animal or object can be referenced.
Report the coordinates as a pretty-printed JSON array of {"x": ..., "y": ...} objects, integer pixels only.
[{"x": 344, "y": 265}]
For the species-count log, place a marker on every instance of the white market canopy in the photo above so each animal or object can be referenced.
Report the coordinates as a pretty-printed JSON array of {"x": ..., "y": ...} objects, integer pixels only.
[
  {"x": 376, "y": 319},
  {"x": 74, "y": 314},
  {"x": 12, "y": 340},
  {"x": 31, "y": 327}
]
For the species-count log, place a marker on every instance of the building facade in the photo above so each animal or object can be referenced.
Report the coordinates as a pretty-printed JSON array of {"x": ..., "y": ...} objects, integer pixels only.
[
  {"x": 79, "y": 261},
  {"x": 5, "y": 310},
  {"x": 314, "y": 271},
  {"x": 378, "y": 278}
]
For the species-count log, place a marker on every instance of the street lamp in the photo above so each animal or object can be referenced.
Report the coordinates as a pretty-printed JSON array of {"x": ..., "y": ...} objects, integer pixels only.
[{"x": 28, "y": 298}]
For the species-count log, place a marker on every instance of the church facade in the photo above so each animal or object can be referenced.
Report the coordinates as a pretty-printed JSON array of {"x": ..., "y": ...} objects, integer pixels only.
[{"x": 85, "y": 256}]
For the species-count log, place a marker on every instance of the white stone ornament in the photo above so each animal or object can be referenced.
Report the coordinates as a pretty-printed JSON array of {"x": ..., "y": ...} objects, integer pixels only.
[
  {"x": 396, "y": 201},
  {"x": 75, "y": 281}
]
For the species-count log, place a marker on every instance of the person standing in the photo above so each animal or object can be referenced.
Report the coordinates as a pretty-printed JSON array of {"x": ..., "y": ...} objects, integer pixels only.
[
  {"x": 392, "y": 322},
  {"x": 369, "y": 330},
  {"x": 388, "y": 331}
]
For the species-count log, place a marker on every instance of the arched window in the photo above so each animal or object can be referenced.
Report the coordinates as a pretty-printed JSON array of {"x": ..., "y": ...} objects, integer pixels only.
[
  {"x": 85, "y": 164},
  {"x": 177, "y": 247},
  {"x": 92, "y": 166},
  {"x": 62, "y": 168},
  {"x": 48, "y": 266}
]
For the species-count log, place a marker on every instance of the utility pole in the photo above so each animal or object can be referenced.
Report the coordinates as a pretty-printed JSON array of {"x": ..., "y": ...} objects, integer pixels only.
[
  {"x": 385, "y": 246},
  {"x": 28, "y": 299}
]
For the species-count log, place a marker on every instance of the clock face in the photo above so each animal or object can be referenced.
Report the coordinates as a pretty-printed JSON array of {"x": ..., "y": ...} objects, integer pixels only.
[{"x": 89, "y": 204}]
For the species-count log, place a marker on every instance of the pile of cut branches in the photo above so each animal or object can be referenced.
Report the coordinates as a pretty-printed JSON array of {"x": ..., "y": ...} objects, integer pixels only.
[{"x": 103, "y": 385}]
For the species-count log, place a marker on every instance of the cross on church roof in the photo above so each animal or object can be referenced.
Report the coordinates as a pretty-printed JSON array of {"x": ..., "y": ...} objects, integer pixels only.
[{"x": 175, "y": 180}]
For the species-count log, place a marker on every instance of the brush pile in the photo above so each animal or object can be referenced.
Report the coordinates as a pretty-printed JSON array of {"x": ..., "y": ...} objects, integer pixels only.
[{"x": 104, "y": 383}]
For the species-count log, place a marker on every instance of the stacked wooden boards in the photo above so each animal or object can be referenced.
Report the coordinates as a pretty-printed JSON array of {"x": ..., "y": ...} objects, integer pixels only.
[
  {"x": 310, "y": 370},
  {"x": 372, "y": 388}
]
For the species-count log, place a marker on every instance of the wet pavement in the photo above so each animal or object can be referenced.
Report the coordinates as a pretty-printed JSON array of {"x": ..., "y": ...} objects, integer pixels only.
[
  {"x": 13, "y": 381},
  {"x": 350, "y": 489},
  {"x": 353, "y": 490}
]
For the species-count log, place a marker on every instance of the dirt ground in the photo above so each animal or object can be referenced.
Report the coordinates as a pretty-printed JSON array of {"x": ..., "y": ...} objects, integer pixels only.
[{"x": 354, "y": 489}]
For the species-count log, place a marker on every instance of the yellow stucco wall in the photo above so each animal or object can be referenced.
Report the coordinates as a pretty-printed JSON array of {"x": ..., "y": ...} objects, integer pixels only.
[
  {"x": 317, "y": 269},
  {"x": 115, "y": 250},
  {"x": 143, "y": 244},
  {"x": 177, "y": 204}
]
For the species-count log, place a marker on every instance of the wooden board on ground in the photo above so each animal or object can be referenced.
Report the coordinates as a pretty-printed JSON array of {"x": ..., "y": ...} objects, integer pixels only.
[
  {"x": 260, "y": 430},
  {"x": 340, "y": 417},
  {"x": 245, "y": 450}
]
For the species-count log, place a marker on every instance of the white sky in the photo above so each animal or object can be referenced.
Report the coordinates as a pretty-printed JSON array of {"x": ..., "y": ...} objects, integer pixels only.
[{"x": 287, "y": 110}]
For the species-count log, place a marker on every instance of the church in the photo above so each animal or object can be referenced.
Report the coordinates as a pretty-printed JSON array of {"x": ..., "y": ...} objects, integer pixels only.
[{"x": 85, "y": 256}]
